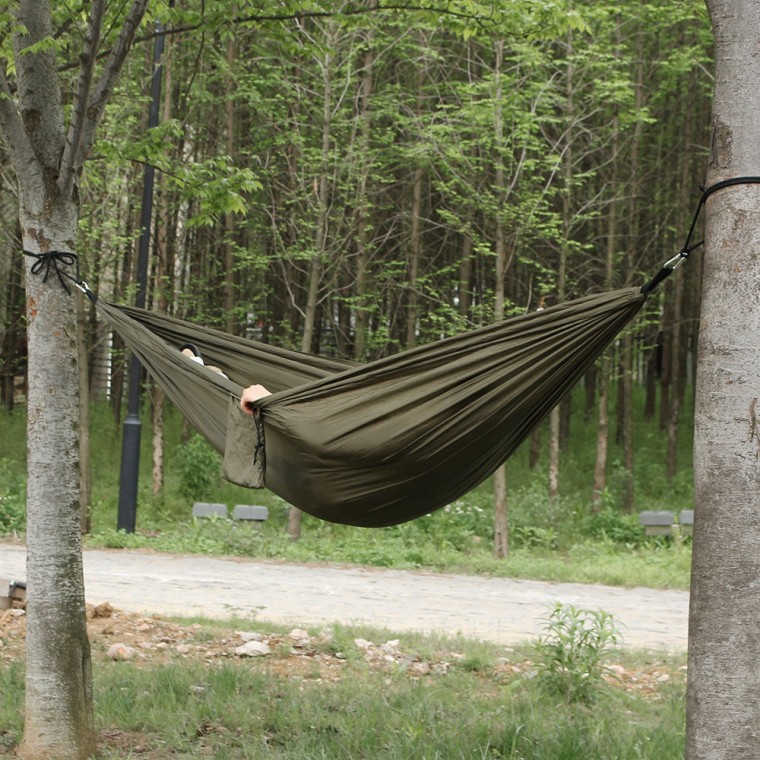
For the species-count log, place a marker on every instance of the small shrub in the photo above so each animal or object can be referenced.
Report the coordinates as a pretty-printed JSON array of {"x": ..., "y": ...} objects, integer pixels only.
[
  {"x": 198, "y": 466},
  {"x": 12, "y": 500},
  {"x": 570, "y": 656},
  {"x": 533, "y": 537},
  {"x": 609, "y": 524}
]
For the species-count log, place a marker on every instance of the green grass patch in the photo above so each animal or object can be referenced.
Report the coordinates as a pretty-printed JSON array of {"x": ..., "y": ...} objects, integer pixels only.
[{"x": 488, "y": 702}]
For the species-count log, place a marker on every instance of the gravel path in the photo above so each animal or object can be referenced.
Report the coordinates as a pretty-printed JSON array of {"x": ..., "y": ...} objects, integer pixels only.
[{"x": 501, "y": 610}]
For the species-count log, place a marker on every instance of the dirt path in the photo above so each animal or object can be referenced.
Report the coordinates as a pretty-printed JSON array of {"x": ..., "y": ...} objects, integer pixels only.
[{"x": 492, "y": 609}]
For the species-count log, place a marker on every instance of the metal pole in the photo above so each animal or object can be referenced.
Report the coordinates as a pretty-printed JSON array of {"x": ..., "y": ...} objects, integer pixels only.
[{"x": 130, "y": 448}]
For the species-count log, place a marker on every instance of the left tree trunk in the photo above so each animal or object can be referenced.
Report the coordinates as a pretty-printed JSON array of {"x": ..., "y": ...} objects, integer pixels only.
[{"x": 59, "y": 711}]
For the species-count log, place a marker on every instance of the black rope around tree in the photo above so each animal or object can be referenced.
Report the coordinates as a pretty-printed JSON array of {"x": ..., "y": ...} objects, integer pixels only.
[
  {"x": 53, "y": 261},
  {"x": 688, "y": 246}
]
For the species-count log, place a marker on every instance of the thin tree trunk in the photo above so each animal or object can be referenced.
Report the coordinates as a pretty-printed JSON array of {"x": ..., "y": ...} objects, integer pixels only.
[
  {"x": 162, "y": 289},
  {"x": 295, "y": 517},
  {"x": 500, "y": 506},
  {"x": 534, "y": 452},
  {"x": 555, "y": 422},
  {"x": 464, "y": 291},
  {"x": 85, "y": 478},
  {"x": 229, "y": 218},
  {"x": 13, "y": 335},
  {"x": 554, "y": 454},
  {"x": 605, "y": 370},
  {"x": 415, "y": 247},
  {"x": 650, "y": 404},
  {"x": 627, "y": 346},
  {"x": 677, "y": 368},
  {"x": 627, "y": 386},
  {"x": 589, "y": 385},
  {"x": 362, "y": 312},
  {"x": 602, "y": 438}
]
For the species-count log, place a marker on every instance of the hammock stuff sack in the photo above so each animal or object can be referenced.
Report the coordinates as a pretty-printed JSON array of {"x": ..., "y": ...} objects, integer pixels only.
[{"x": 388, "y": 441}]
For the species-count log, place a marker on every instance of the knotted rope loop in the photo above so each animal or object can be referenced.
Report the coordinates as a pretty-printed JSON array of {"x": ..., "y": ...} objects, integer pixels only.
[{"x": 54, "y": 260}]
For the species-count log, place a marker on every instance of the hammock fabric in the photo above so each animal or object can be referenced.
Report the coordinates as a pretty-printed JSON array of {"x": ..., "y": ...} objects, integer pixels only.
[{"x": 385, "y": 442}]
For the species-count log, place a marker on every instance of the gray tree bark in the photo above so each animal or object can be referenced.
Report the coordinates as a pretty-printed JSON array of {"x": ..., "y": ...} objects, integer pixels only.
[{"x": 723, "y": 695}]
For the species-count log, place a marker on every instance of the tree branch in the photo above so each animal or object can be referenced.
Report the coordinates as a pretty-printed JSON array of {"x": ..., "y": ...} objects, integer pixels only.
[
  {"x": 38, "y": 90},
  {"x": 443, "y": 10},
  {"x": 104, "y": 88},
  {"x": 12, "y": 128},
  {"x": 69, "y": 169}
]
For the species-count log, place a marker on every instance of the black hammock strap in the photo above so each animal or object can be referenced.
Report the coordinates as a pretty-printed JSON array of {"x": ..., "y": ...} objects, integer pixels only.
[{"x": 671, "y": 265}]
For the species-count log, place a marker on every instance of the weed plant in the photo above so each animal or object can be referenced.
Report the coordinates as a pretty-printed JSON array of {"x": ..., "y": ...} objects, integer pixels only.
[
  {"x": 571, "y": 654},
  {"x": 12, "y": 500},
  {"x": 559, "y": 539}
]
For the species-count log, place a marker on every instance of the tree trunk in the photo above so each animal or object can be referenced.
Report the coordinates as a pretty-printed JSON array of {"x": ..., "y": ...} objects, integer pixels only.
[
  {"x": 501, "y": 516},
  {"x": 605, "y": 371},
  {"x": 59, "y": 719},
  {"x": 500, "y": 508},
  {"x": 534, "y": 451},
  {"x": 554, "y": 454},
  {"x": 320, "y": 240},
  {"x": 555, "y": 419},
  {"x": 677, "y": 353},
  {"x": 602, "y": 438},
  {"x": 415, "y": 243},
  {"x": 627, "y": 420},
  {"x": 85, "y": 479},
  {"x": 230, "y": 290},
  {"x": 627, "y": 346},
  {"x": 723, "y": 704},
  {"x": 363, "y": 298},
  {"x": 13, "y": 337}
]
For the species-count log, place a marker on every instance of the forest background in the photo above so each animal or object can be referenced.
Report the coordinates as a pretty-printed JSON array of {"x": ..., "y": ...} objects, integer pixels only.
[{"x": 356, "y": 185}]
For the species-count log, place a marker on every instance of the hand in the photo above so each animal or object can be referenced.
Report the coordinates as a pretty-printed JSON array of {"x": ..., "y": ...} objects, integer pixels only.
[{"x": 250, "y": 394}]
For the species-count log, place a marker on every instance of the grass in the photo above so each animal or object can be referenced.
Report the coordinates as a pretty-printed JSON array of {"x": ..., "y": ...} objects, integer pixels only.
[
  {"x": 488, "y": 703},
  {"x": 555, "y": 541}
]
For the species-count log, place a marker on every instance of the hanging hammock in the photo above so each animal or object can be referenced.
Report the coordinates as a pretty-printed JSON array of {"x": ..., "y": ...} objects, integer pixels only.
[{"x": 385, "y": 442}]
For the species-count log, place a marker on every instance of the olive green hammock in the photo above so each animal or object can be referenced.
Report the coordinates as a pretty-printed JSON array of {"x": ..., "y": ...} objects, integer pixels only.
[{"x": 384, "y": 442}]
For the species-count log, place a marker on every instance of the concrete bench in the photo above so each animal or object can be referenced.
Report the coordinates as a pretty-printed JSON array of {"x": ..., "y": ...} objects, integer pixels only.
[
  {"x": 204, "y": 509},
  {"x": 248, "y": 512},
  {"x": 16, "y": 593},
  {"x": 686, "y": 521},
  {"x": 657, "y": 522}
]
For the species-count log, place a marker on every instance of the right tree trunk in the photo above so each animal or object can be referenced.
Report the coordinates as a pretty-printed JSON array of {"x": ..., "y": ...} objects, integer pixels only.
[{"x": 723, "y": 692}]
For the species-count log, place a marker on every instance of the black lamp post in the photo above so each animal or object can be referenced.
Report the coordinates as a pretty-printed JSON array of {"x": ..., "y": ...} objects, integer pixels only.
[{"x": 130, "y": 449}]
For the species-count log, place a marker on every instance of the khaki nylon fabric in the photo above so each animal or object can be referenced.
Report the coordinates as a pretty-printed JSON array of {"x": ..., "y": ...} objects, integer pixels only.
[{"x": 385, "y": 442}]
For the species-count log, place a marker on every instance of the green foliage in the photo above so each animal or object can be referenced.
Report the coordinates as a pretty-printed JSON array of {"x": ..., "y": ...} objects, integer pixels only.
[
  {"x": 12, "y": 499},
  {"x": 570, "y": 657},
  {"x": 613, "y": 525},
  {"x": 198, "y": 467}
]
